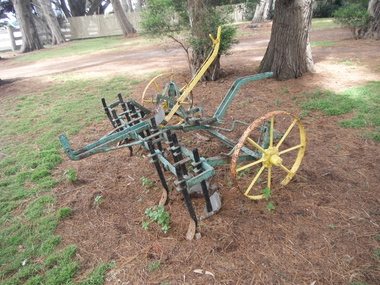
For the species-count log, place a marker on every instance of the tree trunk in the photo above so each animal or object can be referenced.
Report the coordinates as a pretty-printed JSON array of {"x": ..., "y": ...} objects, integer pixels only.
[
  {"x": 138, "y": 5},
  {"x": 198, "y": 11},
  {"x": 64, "y": 8},
  {"x": 262, "y": 12},
  {"x": 96, "y": 5},
  {"x": 289, "y": 53},
  {"x": 374, "y": 10},
  {"x": 127, "y": 5},
  {"x": 125, "y": 25},
  {"x": 30, "y": 39},
  {"x": 52, "y": 22},
  {"x": 130, "y": 5},
  {"x": 77, "y": 7}
]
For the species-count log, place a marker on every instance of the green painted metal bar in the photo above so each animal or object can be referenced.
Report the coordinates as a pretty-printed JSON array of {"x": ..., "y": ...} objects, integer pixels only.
[
  {"x": 103, "y": 144},
  {"x": 234, "y": 89}
]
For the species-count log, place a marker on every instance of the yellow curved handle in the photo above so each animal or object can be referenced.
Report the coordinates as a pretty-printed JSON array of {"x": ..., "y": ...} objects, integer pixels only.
[{"x": 196, "y": 77}]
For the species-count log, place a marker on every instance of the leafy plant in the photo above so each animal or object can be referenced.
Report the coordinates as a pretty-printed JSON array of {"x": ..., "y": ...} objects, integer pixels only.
[
  {"x": 271, "y": 207},
  {"x": 353, "y": 16},
  {"x": 157, "y": 21},
  {"x": 267, "y": 194},
  {"x": 243, "y": 173},
  {"x": 159, "y": 215},
  {"x": 63, "y": 213},
  {"x": 98, "y": 200},
  {"x": 71, "y": 175},
  {"x": 377, "y": 253},
  {"x": 146, "y": 182},
  {"x": 154, "y": 266}
]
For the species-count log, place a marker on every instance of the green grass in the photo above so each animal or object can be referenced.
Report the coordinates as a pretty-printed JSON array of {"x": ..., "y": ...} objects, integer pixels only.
[
  {"x": 30, "y": 149},
  {"x": 323, "y": 23},
  {"x": 362, "y": 102},
  {"x": 323, "y": 44},
  {"x": 82, "y": 47}
]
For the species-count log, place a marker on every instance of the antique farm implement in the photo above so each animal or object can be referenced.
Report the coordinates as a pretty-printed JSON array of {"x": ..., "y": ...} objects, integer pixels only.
[{"x": 269, "y": 151}]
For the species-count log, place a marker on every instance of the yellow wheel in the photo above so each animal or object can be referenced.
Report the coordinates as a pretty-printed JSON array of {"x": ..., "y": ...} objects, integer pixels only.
[
  {"x": 278, "y": 141},
  {"x": 157, "y": 85}
]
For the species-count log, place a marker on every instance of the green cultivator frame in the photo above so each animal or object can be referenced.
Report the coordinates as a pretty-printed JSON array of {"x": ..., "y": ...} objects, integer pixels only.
[{"x": 270, "y": 149}]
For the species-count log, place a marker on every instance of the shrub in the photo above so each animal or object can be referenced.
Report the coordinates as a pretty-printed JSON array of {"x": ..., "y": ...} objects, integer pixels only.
[{"x": 355, "y": 17}]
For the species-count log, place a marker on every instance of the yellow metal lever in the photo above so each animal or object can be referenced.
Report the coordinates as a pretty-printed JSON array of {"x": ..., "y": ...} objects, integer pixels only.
[{"x": 196, "y": 77}]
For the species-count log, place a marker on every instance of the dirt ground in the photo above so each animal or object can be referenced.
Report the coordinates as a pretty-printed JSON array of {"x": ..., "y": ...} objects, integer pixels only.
[{"x": 326, "y": 226}]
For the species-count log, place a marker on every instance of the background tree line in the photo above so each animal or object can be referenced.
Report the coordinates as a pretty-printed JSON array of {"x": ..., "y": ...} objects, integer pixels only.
[{"x": 190, "y": 22}]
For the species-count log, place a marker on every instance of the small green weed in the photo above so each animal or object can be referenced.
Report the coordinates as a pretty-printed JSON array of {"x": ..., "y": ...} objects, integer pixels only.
[
  {"x": 146, "y": 182},
  {"x": 271, "y": 207},
  {"x": 243, "y": 173},
  {"x": 267, "y": 194},
  {"x": 277, "y": 102},
  {"x": 331, "y": 226},
  {"x": 64, "y": 213},
  {"x": 159, "y": 215},
  {"x": 98, "y": 200},
  {"x": 285, "y": 90},
  {"x": 71, "y": 175},
  {"x": 377, "y": 253},
  {"x": 154, "y": 266},
  {"x": 346, "y": 62}
]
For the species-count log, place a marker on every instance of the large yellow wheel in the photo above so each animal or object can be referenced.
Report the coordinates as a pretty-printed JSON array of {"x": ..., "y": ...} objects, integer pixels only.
[
  {"x": 278, "y": 139},
  {"x": 157, "y": 85}
]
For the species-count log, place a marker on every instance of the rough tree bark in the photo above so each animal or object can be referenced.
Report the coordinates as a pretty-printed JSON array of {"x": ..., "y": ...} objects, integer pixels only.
[
  {"x": 30, "y": 39},
  {"x": 77, "y": 7},
  {"x": 52, "y": 22},
  {"x": 262, "y": 11},
  {"x": 94, "y": 9},
  {"x": 66, "y": 11},
  {"x": 127, "y": 5},
  {"x": 138, "y": 5},
  {"x": 289, "y": 53},
  {"x": 198, "y": 11},
  {"x": 125, "y": 25},
  {"x": 374, "y": 10}
]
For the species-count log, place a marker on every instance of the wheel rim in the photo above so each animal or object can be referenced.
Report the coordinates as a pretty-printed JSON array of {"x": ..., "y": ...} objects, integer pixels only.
[
  {"x": 157, "y": 85},
  {"x": 278, "y": 141}
]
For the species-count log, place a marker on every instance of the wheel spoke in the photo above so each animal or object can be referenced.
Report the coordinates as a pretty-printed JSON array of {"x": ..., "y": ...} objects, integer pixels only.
[
  {"x": 280, "y": 138},
  {"x": 269, "y": 177},
  {"x": 286, "y": 133},
  {"x": 285, "y": 169},
  {"x": 290, "y": 149},
  {"x": 254, "y": 180},
  {"x": 248, "y": 165},
  {"x": 255, "y": 145},
  {"x": 271, "y": 131},
  {"x": 158, "y": 88}
]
